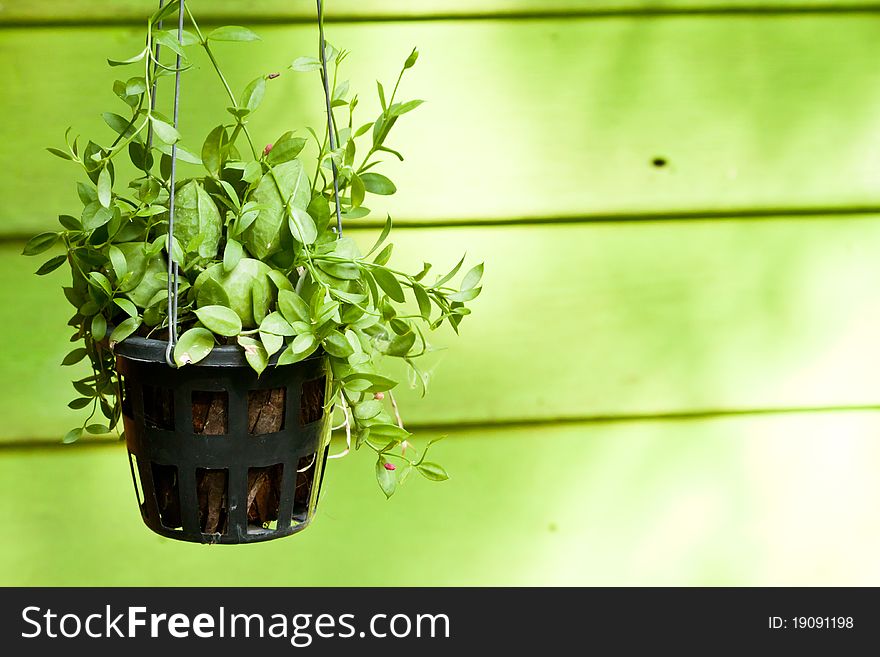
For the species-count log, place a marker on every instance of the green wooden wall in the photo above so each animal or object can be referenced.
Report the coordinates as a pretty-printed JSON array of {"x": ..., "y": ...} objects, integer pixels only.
[{"x": 677, "y": 202}]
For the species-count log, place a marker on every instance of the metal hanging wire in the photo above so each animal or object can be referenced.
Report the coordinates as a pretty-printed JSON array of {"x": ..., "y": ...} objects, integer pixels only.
[
  {"x": 331, "y": 128},
  {"x": 173, "y": 267}
]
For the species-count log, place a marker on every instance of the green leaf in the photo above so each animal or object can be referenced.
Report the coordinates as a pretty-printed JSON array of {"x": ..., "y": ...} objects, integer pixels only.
[
  {"x": 303, "y": 343},
  {"x": 412, "y": 59},
  {"x": 367, "y": 410},
  {"x": 263, "y": 237},
  {"x": 182, "y": 154},
  {"x": 399, "y": 109},
  {"x": 451, "y": 274},
  {"x": 117, "y": 259},
  {"x": 169, "y": 40},
  {"x": 77, "y": 404},
  {"x": 302, "y": 226},
  {"x": 51, "y": 265},
  {"x": 72, "y": 436},
  {"x": 130, "y": 60},
  {"x": 358, "y": 191},
  {"x": 124, "y": 330},
  {"x": 253, "y": 94},
  {"x": 233, "y": 33},
  {"x": 98, "y": 328},
  {"x": 401, "y": 345},
  {"x": 432, "y": 471},
  {"x": 285, "y": 150},
  {"x": 40, "y": 243},
  {"x": 74, "y": 357},
  {"x": 95, "y": 215},
  {"x": 164, "y": 131},
  {"x": 306, "y": 64},
  {"x": 376, "y": 183},
  {"x": 366, "y": 382},
  {"x": 389, "y": 432},
  {"x": 465, "y": 295},
  {"x": 275, "y": 324},
  {"x": 384, "y": 255},
  {"x": 472, "y": 278},
  {"x": 97, "y": 279},
  {"x": 424, "y": 302},
  {"x": 232, "y": 254},
  {"x": 87, "y": 193},
  {"x": 388, "y": 282},
  {"x": 162, "y": 13},
  {"x": 127, "y": 306},
  {"x": 211, "y": 293},
  {"x": 386, "y": 478},
  {"x": 213, "y": 150},
  {"x": 97, "y": 429},
  {"x": 197, "y": 215},
  {"x": 386, "y": 231},
  {"x": 220, "y": 320},
  {"x": 254, "y": 353},
  {"x": 336, "y": 345},
  {"x": 193, "y": 346},
  {"x": 64, "y": 155}
]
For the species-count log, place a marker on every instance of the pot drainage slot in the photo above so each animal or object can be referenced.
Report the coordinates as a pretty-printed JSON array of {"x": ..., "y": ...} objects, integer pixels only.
[
  {"x": 210, "y": 412},
  {"x": 159, "y": 407},
  {"x": 213, "y": 486},
  {"x": 305, "y": 477},
  {"x": 266, "y": 411},
  {"x": 311, "y": 401},
  {"x": 167, "y": 487},
  {"x": 135, "y": 474},
  {"x": 264, "y": 498},
  {"x": 125, "y": 397}
]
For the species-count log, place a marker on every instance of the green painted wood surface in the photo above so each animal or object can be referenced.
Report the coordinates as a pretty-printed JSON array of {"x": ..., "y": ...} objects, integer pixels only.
[
  {"x": 746, "y": 501},
  {"x": 48, "y": 11},
  {"x": 582, "y": 321},
  {"x": 529, "y": 119}
]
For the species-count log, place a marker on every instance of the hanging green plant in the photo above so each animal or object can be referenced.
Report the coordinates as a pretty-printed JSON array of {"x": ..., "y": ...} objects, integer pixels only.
[{"x": 257, "y": 260}]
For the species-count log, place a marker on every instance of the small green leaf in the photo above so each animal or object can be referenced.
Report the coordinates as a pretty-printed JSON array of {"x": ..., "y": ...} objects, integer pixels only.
[
  {"x": 376, "y": 183},
  {"x": 472, "y": 278},
  {"x": 303, "y": 343},
  {"x": 72, "y": 436},
  {"x": 389, "y": 432},
  {"x": 386, "y": 478},
  {"x": 253, "y": 94},
  {"x": 365, "y": 382},
  {"x": 388, "y": 282},
  {"x": 124, "y": 330},
  {"x": 232, "y": 255},
  {"x": 97, "y": 279},
  {"x": 130, "y": 60},
  {"x": 384, "y": 255},
  {"x": 254, "y": 353},
  {"x": 306, "y": 64},
  {"x": 367, "y": 410},
  {"x": 233, "y": 33},
  {"x": 358, "y": 191},
  {"x": 401, "y": 345},
  {"x": 302, "y": 226},
  {"x": 276, "y": 324},
  {"x": 64, "y": 155},
  {"x": 211, "y": 293},
  {"x": 424, "y": 302},
  {"x": 164, "y": 131},
  {"x": 193, "y": 346},
  {"x": 465, "y": 295},
  {"x": 99, "y": 327},
  {"x": 40, "y": 243},
  {"x": 74, "y": 357},
  {"x": 286, "y": 150},
  {"x": 399, "y": 109},
  {"x": 213, "y": 150},
  {"x": 127, "y": 306},
  {"x": 412, "y": 59},
  {"x": 336, "y": 345},
  {"x": 220, "y": 320},
  {"x": 432, "y": 471},
  {"x": 51, "y": 265},
  {"x": 117, "y": 259}
]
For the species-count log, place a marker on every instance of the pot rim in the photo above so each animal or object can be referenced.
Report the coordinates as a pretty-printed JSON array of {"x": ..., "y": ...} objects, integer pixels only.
[{"x": 150, "y": 350}]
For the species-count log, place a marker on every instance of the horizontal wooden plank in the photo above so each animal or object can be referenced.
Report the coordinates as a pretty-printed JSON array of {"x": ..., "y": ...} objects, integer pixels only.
[
  {"x": 525, "y": 120},
  {"x": 84, "y": 11},
  {"x": 734, "y": 502},
  {"x": 581, "y": 321}
]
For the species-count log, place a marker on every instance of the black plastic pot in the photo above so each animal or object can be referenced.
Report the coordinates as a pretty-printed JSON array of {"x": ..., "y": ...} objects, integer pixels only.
[{"x": 217, "y": 454}]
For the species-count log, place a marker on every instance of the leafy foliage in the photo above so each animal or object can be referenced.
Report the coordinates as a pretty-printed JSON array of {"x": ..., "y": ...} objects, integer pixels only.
[{"x": 259, "y": 260}]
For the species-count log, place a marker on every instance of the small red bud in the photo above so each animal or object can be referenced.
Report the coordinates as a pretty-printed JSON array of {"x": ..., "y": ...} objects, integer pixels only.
[
  {"x": 268, "y": 149},
  {"x": 272, "y": 76},
  {"x": 379, "y": 395},
  {"x": 390, "y": 466}
]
